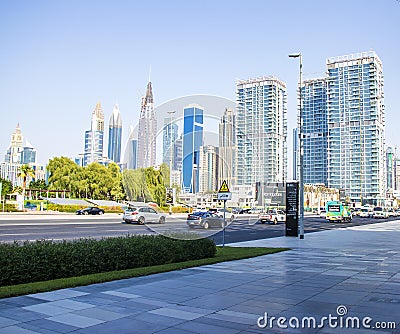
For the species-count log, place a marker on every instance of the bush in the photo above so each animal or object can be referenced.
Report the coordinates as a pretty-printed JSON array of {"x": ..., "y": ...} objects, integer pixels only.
[
  {"x": 74, "y": 208},
  {"x": 46, "y": 260}
]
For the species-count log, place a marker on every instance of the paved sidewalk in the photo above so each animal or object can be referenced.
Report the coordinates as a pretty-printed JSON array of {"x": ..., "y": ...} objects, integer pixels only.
[{"x": 356, "y": 268}]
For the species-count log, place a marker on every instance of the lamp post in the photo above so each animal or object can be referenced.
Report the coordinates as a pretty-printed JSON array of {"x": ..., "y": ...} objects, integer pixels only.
[
  {"x": 300, "y": 125},
  {"x": 170, "y": 155}
]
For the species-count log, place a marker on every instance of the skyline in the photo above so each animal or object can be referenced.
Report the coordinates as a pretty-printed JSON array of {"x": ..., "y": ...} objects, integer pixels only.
[{"x": 64, "y": 57}]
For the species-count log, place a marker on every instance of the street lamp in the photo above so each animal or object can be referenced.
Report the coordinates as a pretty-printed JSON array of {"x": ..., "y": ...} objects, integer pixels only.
[
  {"x": 171, "y": 155},
  {"x": 300, "y": 125}
]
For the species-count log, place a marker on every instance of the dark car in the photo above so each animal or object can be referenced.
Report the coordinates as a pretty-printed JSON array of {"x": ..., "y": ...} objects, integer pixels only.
[
  {"x": 204, "y": 220},
  {"x": 90, "y": 211}
]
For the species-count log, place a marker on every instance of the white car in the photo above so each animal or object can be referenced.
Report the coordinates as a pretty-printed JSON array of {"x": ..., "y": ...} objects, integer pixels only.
[
  {"x": 142, "y": 215},
  {"x": 220, "y": 213},
  {"x": 322, "y": 213},
  {"x": 365, "y": 213},
  {"x": 380, "y": 212},
  {"x": 272, "y": 216}
]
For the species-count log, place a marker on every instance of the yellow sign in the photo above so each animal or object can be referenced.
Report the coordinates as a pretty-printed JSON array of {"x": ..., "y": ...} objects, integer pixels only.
[{"x": 224, "y": 188}]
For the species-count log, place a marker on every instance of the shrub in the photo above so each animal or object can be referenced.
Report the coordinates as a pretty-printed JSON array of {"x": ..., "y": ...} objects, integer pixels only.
[
  {"x": 74, "y": 208},
  {"x": 46, "y": 260}
]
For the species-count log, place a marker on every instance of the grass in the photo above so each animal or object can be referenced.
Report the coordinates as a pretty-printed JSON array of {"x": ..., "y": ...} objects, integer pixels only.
[{"x": 223, "y": 254}]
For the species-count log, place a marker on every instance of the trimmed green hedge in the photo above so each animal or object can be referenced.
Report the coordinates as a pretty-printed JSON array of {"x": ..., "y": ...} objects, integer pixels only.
[
  {"x": 74, "y": 208},
  {"x": 47, "y": 260}
]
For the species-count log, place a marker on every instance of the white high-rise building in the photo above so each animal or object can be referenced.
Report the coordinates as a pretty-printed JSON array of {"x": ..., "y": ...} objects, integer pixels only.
[
  {"x": 13, "y": 154},
  {"x": 208, "y": 168},
  {"x": 356, "y": 127},
  {"x": 261, "y": 130},
  {"x": 146, "y": 146},
  {"x": 227, "y": 148},
  {"x": 94, "y": 137}
]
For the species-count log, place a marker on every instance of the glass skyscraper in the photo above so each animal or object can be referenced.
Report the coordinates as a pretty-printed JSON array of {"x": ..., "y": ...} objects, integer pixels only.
[
  {"x": 115, "y": 136},
  {"x": 315, "y": 131},
  {"x": 261, "y": 130},
  {"x": 170, "y": 137},
  {"x": 192, "y": 141},
  {"x": 356, "y": 126},
  {"x": 227, "y": 148}
]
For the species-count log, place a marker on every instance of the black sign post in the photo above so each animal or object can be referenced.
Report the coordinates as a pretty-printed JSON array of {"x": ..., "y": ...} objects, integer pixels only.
[{"x": 292, "y": 209}]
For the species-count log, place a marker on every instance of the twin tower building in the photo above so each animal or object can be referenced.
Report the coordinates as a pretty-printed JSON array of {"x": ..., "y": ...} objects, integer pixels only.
[{"x": 343, "y": 133}]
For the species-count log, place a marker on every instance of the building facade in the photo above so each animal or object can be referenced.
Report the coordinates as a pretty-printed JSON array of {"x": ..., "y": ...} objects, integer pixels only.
[
  {"x": 315, "y": 131},
  {"x": 390, "y": 170},
  {"x": 261, "y": 130},
  {"x": 13, "y": 154},
  {"x": 192, "y": 141},
  {"x": 146, "y": 150},
  {"x": 356, "y": 127},
  {"x": 170, "y": 136},
  {"x": 94, "y": 137},
  {"x": 115, "y": 135},
  {"x": 208, "y": 169},
  {"x": 227, "y": 148}
]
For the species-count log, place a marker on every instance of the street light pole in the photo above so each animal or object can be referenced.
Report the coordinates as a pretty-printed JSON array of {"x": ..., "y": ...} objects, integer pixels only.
[{"x": 300, "y": 125}]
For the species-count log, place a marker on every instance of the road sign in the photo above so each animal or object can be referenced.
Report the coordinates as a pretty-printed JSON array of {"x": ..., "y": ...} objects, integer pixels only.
[
  {"x": 224, "y": 188},
  {"x": 225, "y": 196}
]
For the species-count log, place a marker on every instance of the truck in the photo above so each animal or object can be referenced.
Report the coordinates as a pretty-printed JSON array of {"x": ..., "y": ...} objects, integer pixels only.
[{"x": 337, "y": 211}]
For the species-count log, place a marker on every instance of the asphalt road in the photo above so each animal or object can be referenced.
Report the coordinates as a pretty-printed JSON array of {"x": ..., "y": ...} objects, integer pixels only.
[{"x": 67, "y": 227}]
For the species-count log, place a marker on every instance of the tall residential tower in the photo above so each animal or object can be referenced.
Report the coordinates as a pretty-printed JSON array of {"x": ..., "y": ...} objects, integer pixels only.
[
  {"x": 146, "y": 147},
  {"x": 356, "y": 126},
  {"x": 261, "y": 130},
  {"x": 94, "y": 137}
]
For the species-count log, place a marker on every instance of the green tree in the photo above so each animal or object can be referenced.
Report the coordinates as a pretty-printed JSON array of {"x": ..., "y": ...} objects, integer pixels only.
[
  {"x": 24, "y": 172},
  {"x": 38, "y": 184},
  {"x": 6, "y": 187}
]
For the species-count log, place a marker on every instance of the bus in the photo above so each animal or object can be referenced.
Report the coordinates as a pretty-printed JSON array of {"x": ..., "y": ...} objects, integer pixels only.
[{"x": 336, "y": 211}]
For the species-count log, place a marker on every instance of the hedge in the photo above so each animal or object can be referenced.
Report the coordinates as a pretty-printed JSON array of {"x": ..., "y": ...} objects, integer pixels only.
[
  {"x": 46, "y": 260},
  {"x": 74, "y": 208}
]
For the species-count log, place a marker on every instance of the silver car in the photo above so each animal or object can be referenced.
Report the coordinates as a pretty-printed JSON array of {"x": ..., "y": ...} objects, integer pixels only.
[{"x": 142, "y": 215}]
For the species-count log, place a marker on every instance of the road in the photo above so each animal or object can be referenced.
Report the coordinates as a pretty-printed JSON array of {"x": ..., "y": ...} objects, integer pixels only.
[{"x": 68, "y": 227}]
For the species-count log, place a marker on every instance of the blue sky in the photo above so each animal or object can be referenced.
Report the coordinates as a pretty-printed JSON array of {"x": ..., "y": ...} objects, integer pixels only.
[{"x": 59, "y": 58}]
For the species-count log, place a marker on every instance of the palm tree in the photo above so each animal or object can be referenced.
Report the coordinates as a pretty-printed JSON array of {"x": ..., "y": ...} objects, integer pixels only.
[{"x": 24, "y": 172}]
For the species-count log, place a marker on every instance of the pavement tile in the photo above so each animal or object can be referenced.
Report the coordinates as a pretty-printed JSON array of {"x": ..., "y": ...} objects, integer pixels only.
[
  {"x": 174, "y": 313},
  {"x": 121, "y": 294},
  {"x": 5, "y": 322},
  {"x": 199, "y": 327},
  {"x": 75, "y": 320},
  {"x": 47, "y": 309},
  {"x": 16, "y": 330},
  {"x": 43, "y": 325},
  {"x": 100, "y": 314},
  {"x": 70, "y": 304}
]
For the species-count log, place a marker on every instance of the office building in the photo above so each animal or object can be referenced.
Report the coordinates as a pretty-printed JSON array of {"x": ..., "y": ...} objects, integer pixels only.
[
  {"x": 192, "y": 141},
  {"x": 93, "y": 150},
  {"x": 170, "y": 136},
  {"x": 115, "y": 135},
  {"x": 28, "y": 154},
  {"x": 208, "y": 168},
  {"x": 296, "y": 154},
  {"x": 261, "y": 130},
  {"x": 130, "y": 156},
  {"x": 146, "y": 146},
  {"x": 227, "y": 148},
  {"x": 315, "y": 131},
  {"x": 356, "y": 127}
]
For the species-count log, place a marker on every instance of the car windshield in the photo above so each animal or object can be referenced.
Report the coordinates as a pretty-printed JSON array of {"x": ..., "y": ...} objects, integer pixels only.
[{"x": 130, "y": 209}]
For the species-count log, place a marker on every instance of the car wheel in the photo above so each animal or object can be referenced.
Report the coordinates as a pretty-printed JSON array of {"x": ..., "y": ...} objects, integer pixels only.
[
  {"x": 162, "y": 220},
  {"x": 275, "y": 221},
  {"x": 126, "y": 221},
  {"x": 141, "y": 220},
  {"x": 232, "y": 218},
  {"x": 101, "y": 212},
  {"x": 206, "y": 226},
  {"x": 86, "y": 213}
]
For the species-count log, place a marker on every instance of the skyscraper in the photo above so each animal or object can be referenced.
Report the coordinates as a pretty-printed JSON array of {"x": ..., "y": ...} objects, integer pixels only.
[
  {"x": 356, "y": 126},
  {"x": 227, "y": 148},
  {"x": 208, "y": 168},
  {"x": 13, "y": 154},
  {"x": 170, "y": 135},
  {"x": 28, "y": 154},
  {"x": 315, "y": 131},
  {"x": 261, "y": 130},
  {"x": 94, "y": 137},
  {"x": 115, "y": 135},
  {"x": 131, "y": 151},
  {"x": 192, "y": 141},
  {"x": 146, "y": 150}
]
